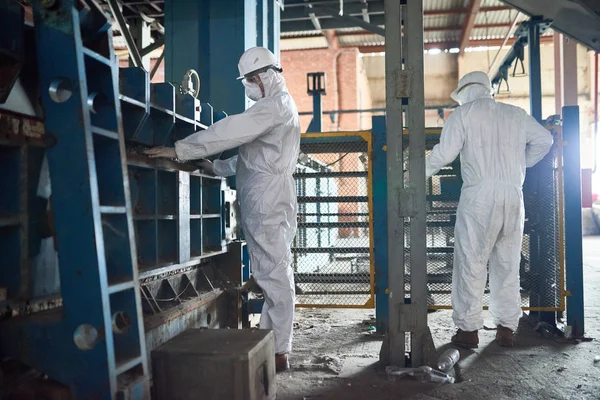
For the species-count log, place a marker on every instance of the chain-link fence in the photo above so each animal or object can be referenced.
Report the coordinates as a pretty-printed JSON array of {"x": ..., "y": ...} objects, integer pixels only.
[
  {"x": 542, "y": 278},
  {"x": 333, "y": 260}
]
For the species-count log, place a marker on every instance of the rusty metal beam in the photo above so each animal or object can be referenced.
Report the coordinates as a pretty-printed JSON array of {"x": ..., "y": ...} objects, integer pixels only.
[{"x": 474, "y": 6}]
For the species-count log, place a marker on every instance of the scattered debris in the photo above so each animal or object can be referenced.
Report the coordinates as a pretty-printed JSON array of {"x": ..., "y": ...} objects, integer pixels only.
[
  {"x": 545, "y": 329},
  {"x": 424, "y": 374},
  {"x": 561, "y": 369},
  {"x": 326, "y": 363},
  {"x": 596, "y": 359}
]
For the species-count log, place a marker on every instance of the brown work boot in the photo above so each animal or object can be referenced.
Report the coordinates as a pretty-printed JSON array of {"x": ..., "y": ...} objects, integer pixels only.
[
  {"x": 468, "y": 340},
  {"x": 505, "y": 337},
  {"x": 281, "y": 362}
]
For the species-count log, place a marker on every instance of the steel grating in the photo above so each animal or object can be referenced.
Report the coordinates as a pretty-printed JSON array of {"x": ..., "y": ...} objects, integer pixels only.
[{"x": 333, "y": 252}]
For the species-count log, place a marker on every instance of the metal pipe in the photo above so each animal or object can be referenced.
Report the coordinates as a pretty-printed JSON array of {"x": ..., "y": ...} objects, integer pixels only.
[
  {"x": 508, "y": 35},
  {"x": 373, "y": 110}
]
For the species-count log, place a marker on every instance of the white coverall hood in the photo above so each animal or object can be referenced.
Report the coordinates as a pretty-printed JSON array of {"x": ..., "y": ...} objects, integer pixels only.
[
  {"x": 471, "y": 87},
  {"x": 268, "y": 136},
  {"x": 496, "y": 143},
  {"x": 471, "y": 93}
]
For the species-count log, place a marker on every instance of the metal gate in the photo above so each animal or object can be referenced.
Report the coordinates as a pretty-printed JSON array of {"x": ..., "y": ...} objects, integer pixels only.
[
  {"x": 334, "y": 262},
  {"x": 333, "y": 249}
]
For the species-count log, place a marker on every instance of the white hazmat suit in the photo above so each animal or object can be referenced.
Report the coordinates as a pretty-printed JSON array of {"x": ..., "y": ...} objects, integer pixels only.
[
  {"x": 496, "y": 143},
  {"x": 268, "y": 136}
]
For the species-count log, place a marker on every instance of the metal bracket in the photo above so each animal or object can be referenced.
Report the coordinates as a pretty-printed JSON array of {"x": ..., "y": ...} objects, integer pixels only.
[
  {"x": 407, "y": 206},
  {"x": 403, "y": 84}
]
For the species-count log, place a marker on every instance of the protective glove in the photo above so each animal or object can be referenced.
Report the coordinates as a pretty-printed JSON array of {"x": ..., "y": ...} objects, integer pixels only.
[{"x": 206, "y": 166}]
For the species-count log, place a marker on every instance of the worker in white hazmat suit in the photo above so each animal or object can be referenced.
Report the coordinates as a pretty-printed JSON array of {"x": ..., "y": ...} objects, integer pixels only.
[
  {"x": 268, "y": 136},
  {"x": 496, "y": 142}
]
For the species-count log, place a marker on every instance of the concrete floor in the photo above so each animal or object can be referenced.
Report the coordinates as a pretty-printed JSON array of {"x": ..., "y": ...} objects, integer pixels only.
[{"x": 336, "y": 358}]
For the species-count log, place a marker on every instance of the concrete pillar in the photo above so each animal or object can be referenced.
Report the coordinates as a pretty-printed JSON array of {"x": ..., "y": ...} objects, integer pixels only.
[
  {"x": 569, "y": 71},
  {"x": 557, "y": 73}
]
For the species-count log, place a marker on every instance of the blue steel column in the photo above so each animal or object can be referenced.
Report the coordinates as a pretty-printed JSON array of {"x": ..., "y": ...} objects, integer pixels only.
[
  {"x": 573, "y": 229},
  {"x": 209, "y": 36},
  {"x": 316, "y": 125},
  {"x": 274, "y": 27},
  {"x": 535, "y": 77},
  {"x": 380, "y": 218}
]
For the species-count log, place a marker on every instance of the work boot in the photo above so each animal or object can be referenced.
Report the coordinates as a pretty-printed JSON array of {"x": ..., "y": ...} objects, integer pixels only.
[
  {"x": 505, "y": 336},
  {"x": 281, "y": 362},
  {"x": 468, "y": 340}
]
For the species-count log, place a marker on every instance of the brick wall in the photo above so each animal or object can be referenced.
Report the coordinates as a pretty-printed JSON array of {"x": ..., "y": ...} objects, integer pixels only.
[
  {"x": 346, "y": 86},
  {"x": 347, "y": 89}
]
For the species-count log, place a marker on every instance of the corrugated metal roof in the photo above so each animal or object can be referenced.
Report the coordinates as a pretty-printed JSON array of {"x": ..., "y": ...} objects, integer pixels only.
[
  {"x": 441, "y": 36},
  {"x": 497, "y": 17},
  {"x": 361, "y": 40},
  {"x": 299, "y": 33},
  {"x": 442, "y": 21},
  {"x": 488, "y": 33},
  {"x": 442, "y": 28},
  {"x": 315, "y": 42},
  {"x": 491, "y": 3}
]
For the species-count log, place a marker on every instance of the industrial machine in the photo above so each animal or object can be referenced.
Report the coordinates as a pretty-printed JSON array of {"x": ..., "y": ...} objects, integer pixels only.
[{"x": 104, "y": 253}]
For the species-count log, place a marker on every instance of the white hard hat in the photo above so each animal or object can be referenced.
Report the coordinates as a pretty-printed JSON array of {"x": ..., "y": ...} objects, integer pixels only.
[
  {"x": 255, "y": 59},
  {"x": 472, "y": 78}
]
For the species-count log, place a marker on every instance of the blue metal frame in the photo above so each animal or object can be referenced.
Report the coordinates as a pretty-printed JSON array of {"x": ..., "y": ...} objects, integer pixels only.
[
  {"x": 316, "y": 87},
  {"x": 196, "y": 34},
  {"x": 107, "y": 201},
  {"x": 380, "y": 218},
  {"x": 316, "y": 124},
  {"x": 90, "y": 191},
  {"x": 573, "y": 227}
]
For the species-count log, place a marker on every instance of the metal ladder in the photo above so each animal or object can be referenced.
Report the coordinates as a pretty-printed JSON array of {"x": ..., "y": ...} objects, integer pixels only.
[{"x": 91, "y": 202}]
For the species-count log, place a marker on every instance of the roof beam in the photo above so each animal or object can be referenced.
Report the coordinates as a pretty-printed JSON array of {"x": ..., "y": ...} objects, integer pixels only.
[
  {"x": 357, "y": 9},
  {"x": 353, "y": 20},
  {"x": 352, "y": 9},
  {"x": 450, "y": 45},
  {"x": 365, "y": 11},
  {"x": 131, "y": 47},
  {"x": 315, "y": 20},
  {"x": 474, "y": 6},
  {"x": 376, "y": 21}
]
